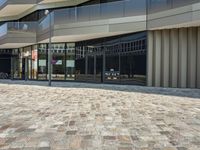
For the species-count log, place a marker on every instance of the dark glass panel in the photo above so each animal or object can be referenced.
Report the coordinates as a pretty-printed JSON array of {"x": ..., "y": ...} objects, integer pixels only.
[{"x": 42, "y": 62}]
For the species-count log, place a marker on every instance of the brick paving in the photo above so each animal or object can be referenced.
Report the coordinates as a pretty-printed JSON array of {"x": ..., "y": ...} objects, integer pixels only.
[{"x": 78, "y": 116}]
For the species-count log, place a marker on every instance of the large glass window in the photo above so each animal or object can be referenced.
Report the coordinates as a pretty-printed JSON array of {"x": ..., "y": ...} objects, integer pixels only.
[
  {"x": 58, "y": 61},
  {"x": 157, "y": 5},
  {"x": 112, "y": 72},
  {"x": 70, "y": 61},
  {"x": 42, "y": 62},
  {"x": 119, "y": 59},
  {"x": 16, "y": 62},
  {"x": 27, "y": 62},
  {"x": 34, "y": 68},
  {"x": 133, "y": 62},
  {"x": 80, "y": 63}
]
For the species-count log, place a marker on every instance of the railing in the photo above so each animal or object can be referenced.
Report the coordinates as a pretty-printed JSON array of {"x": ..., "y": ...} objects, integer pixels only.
[
  {"x": 29, "y": 27},
  {"x": 100, "y": 11},
  {"x": 161, "y": 5},
  {"x": 95, "y": 12},
  {"x": 3, "y": 29},
  {"x": 2, "y": 2}
]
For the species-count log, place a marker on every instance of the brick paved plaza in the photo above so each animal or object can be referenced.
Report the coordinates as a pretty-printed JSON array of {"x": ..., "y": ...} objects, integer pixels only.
[{"x": 78, "y": 116}]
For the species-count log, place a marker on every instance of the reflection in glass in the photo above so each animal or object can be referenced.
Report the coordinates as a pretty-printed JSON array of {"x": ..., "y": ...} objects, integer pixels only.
[
  {"x": 80, "y": 63},
  {"x": 16, "y": 65},
  {"x": 58, "y": 61},
  {"x": 133, "y": 70},
  {"x": 42, "y": 62},
  {"x": 27, "y": 62},
  {"x": 70, "y": 61},
  {"x": 34, "y": 63},
  {"x": 124, "y": 58},
  {"x": 112, "y": 72}
]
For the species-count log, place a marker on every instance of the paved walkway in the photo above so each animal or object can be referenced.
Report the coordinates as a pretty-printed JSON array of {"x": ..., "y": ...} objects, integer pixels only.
[{"x": 77, "y": 116}]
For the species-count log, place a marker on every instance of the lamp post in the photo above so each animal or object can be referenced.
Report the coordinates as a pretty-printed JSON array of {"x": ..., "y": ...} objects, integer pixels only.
[{"x": 47, "y": 12}]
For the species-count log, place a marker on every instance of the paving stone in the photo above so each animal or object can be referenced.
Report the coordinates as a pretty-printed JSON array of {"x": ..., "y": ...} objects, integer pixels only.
[{"x": 79, "y": 116}]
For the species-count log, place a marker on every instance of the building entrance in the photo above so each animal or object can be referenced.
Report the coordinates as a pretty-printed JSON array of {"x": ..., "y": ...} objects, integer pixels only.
[
  {"x": 5, "y": 67},
  {"x": 5, "y": 64}
]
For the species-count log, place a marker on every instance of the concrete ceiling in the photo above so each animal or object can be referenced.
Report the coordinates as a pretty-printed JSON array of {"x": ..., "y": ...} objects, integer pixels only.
[
  {"x": 12, "y": 10},
  {"x": 65, "y": 1},
  {"x": 14, "y": 45},
  {"x": 53, "y": 1}
]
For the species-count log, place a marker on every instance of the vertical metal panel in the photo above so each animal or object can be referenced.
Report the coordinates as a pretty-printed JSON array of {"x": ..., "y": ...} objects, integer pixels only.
[
  {"x": 182, "y": 80},
  {"x": 198, "y": 58},
  {"x": 150, "y": 59},
  {"x": 157, "y": 58},
  {"x": 165, "y": 58},
  {"x": 174, "y": 58},
  {"x": 192, "y": 53}
]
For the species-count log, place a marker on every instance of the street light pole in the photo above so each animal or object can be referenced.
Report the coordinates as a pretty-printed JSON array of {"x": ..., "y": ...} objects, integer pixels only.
[{"x": 49, "y": 49}]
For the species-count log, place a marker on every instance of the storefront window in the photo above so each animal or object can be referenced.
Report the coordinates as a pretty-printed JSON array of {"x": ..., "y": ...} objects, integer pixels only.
[
  {"x": 26, "y": 59},
  {"x": 112, "y": 72},
  {"x": 70, "y": 61},
  {"x": 119, "y": 59},
  {"x": 42, "y": 62},
  {"x": 34, "y": 63},
  {"x": 80, "y": 63},
  {"x": 16, "y": 62},
  {"x": 58, "y": 61}
]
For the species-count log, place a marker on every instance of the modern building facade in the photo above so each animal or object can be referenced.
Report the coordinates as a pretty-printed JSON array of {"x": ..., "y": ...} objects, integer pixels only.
[{"x": 142, "y": 42}]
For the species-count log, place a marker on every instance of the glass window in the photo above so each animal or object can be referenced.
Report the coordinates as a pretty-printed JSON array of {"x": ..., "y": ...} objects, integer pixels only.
[
  {"x": 58, "y": 61},
  {"x": 17, "y": 65},
  {"x": 42, "y": 62},
  {"x": 80, "y": 63},
  {"x": 112, "y": 70},
  {"x": 34, "y": 56},
  {"x": 70, "y": 61},
  {"x": 158, "y": 5}
]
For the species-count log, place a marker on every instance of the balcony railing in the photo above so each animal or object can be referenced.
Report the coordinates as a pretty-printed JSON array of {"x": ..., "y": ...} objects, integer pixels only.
[
  {"x": 2, "y": 2},
  {"x": 161, "y": 5},
  {"x": 95, "y": 12},
  {"x": 18, "y": 27}
]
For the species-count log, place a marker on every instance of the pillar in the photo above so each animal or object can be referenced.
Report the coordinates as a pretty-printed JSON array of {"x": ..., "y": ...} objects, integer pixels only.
[
  {"x": 182, "y": 78},
  {"x": 157, "y": 58},
  {"x": 174, "y": 58},
  {"x": 192, "y": 57},
  {"x": 165, "y": 58},
  {"x": 150, "y": 59}
]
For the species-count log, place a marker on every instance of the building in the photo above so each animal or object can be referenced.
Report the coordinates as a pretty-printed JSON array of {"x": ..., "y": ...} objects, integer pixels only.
[{"x": 142, "y": 42}]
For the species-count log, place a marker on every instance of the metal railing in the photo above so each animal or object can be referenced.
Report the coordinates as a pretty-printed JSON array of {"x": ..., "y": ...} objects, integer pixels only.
[
  {"x": 161, "y": 5},
  {"x": 29, "y": 27},
  {"x": 94, "y": 12},
  {"x": 2, "y": 2}
]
